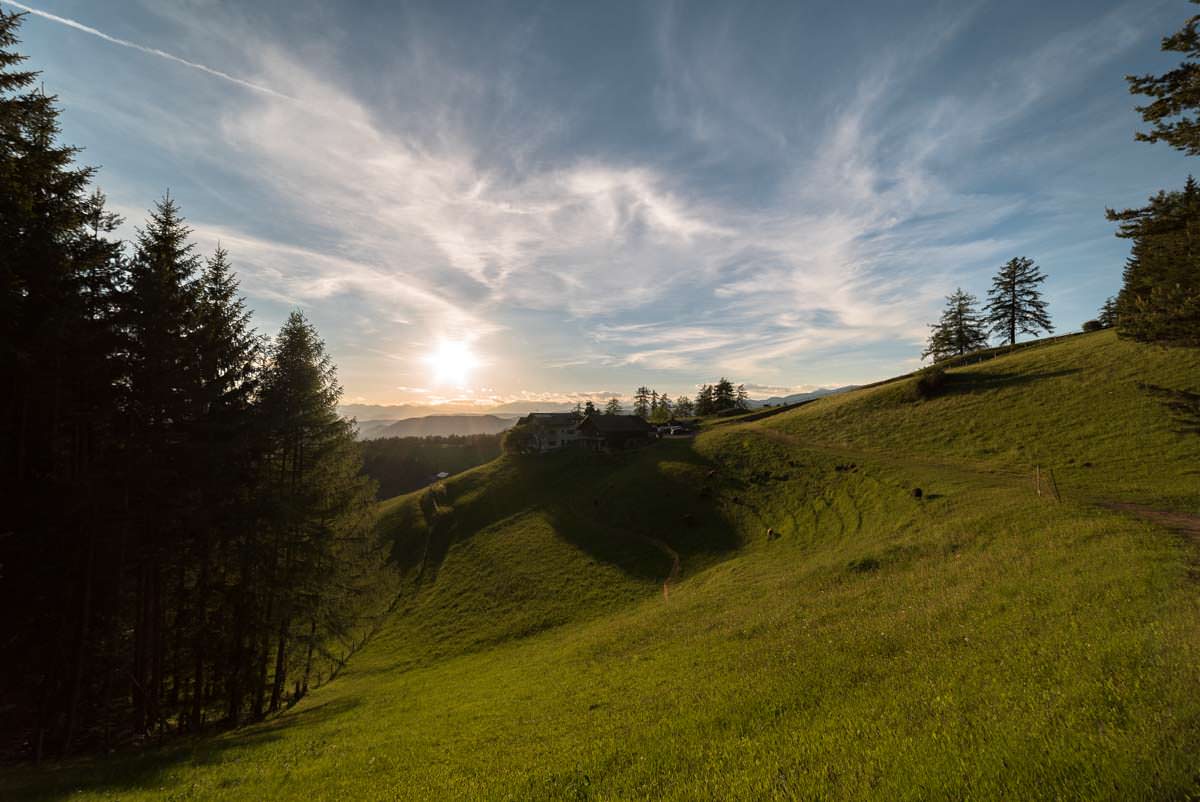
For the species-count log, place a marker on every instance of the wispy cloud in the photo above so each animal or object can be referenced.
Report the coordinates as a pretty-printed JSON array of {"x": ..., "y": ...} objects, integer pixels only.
[{"x": 775, "y": 236}]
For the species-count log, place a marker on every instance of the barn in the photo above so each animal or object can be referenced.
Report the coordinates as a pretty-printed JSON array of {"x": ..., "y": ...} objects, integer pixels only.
[{"x": 614, "y": 432}]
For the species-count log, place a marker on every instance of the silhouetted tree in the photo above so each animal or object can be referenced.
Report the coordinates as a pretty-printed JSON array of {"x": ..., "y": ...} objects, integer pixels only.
[
  {"x": 1015, "y": 304},
  {"x": 641, "y": 402},
  {"x": 613, "y": 407},
  {"x": 960, "y": 331}
]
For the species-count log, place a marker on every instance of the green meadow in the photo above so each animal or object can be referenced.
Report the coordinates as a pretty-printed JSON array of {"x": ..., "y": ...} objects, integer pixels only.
[{"x": 980, "y": 641}]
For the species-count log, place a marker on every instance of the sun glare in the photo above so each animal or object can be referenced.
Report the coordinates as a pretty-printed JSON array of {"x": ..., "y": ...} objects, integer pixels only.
[{"x": 452, "y": 363}]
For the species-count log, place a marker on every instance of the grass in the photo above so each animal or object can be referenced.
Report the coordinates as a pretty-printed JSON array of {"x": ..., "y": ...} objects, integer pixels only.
[{"x": 981, "y": 642}]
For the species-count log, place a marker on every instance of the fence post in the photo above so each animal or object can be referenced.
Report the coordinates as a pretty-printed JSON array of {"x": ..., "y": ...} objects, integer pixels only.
[{"x": 1054, "y": 486}]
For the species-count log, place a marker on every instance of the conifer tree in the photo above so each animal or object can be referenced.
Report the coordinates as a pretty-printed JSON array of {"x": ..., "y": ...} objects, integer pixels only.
[
  {"x": 589, "y": 408},
  {"x": 1176, "y": 94},
  {"x": 1015, "y": 304},
  {"x": 684, "y": 407},
  {"x": 641, "y": 402},
  {"x": 960, "y": 331},
  {"x": 319, "y": 504},
  {"x": 723, "y": 395},
  {"x": 613, "y": 407},
  {"x": 741, "y": 398},
  {"x": 705, "y": 401},
  {"x": 1160, "y": 294},
  {"x": 58, "y": 268},
  {"x": 1108, "y": 314}
]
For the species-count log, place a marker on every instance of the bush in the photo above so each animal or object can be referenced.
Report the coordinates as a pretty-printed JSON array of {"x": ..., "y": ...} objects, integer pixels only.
[
  {"x": 517, "y": 440},
  {"x": 930, "y": 382},
  {"x": 1092, "y": 325}
]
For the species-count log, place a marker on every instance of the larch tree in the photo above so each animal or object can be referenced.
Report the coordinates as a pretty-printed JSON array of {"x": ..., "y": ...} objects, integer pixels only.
[
  {"x": 960, "y": 330},
  {"x": 1015, "y": 304}
]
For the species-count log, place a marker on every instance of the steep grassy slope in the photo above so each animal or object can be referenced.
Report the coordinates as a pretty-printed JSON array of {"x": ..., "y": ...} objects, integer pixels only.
[{"x": 981, "y": 642}]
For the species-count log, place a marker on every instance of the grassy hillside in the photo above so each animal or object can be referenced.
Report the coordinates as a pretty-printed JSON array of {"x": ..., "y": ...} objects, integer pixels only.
[{"x": 981, "y": 641}]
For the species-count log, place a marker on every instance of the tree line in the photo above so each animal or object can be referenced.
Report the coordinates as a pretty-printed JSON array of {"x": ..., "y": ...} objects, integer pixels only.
[
  {"x": 188, "y": 536},
  {"x": 1159, "y": 299},
  {"x": 658, "y": 407},
  {"x": 403, "y": 464}
]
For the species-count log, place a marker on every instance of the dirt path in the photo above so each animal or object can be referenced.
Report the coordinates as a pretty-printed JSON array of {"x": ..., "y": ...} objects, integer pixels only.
[
  {"x": 662, "y": 546},
  {"x": 1176, "y": 521}
]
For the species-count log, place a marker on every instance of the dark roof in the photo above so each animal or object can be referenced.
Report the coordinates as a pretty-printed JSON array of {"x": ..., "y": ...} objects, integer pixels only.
[
  {"x": 550, "y": 418},
  {"x": 616, "y": 424}
]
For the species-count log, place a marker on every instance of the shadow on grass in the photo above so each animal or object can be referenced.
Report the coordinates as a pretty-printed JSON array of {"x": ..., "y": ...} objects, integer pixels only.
[
  {"x": 148, "y": 769},
  {"x": 970, "y": 382},
  {"x": 606, "y": 505},
  {"x": 1183, "y": 405},
  {"x": 661, "y": 493}
]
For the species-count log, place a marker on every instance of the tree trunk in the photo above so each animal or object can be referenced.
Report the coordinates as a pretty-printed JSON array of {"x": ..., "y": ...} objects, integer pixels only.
[
  {"x": 280, "y": 666},
  {"x": 85, "y": 616}
]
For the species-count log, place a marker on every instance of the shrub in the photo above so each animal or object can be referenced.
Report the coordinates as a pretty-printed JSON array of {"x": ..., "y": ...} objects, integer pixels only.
[
  {"x": 1092, "y": 325},
  {"x": 517, "y": 440},
  {"x": 930, "y": 382}
]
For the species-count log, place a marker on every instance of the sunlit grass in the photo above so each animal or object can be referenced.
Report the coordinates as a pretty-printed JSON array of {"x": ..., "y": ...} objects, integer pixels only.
[{"x": 981, "y": 642}]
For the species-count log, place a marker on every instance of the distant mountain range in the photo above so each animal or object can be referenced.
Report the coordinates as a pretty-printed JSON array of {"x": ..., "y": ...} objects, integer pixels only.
[
  {"x": 416, "y": 420},
  {"x": 775, "y": 401},
  {"x": 433, "y": 426}
]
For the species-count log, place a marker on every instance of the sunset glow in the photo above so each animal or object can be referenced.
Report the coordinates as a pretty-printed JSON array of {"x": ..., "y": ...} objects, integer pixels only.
[{"x": 452, "y": 363}]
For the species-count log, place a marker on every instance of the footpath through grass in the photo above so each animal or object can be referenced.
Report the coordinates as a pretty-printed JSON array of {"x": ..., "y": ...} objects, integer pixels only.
[{"x": 980, "y": 642}]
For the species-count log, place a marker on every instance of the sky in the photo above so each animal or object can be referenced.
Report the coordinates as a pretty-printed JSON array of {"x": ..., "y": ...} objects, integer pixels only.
[{"x": 548, "y": 201}]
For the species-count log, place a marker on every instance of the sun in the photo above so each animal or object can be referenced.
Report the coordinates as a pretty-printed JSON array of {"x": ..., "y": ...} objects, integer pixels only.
[{"x": 452, "y": 363}]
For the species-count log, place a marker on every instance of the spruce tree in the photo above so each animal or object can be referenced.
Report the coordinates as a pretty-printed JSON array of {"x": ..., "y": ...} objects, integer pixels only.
[
  {"x": 705, "y": 403},
  {"x": 320, "y": 510},
  {"x": 641, "y": 402},
  {"x": 613, "y": 407},
  {"x": 723, "y": 395},
  {"x": 960, "y": 330},
  {"x": 1159, "y": 299},
  {"x": 1176, "y": 94},
  {"x": 1015, "y": 304},
  {"x": 58, "y": 433}
]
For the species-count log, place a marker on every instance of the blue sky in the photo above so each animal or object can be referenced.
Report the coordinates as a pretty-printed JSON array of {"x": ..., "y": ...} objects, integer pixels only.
[{"x": 593, "y": 196}]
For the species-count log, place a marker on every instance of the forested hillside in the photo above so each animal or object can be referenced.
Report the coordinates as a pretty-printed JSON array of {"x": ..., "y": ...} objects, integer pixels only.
[{"x": 188, "y": 538}]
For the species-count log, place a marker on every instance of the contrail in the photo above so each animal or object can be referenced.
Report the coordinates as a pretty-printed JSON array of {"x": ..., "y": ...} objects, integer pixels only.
[{"x": 154, "y": 51}]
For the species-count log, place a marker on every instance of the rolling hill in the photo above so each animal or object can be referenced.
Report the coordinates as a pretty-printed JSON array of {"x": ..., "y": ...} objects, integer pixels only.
[
  {"x": 434, "y": 426},
  {"x": 772, "y": 611}
]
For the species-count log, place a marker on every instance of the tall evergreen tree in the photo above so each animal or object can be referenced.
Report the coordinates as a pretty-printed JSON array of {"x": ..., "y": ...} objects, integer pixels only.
[
  {"x": 723, "y": 395},
  {"x": 1176, "y": 94},
  {"x": 1015, "y": 304},
  {"x": 1108, "y": 314},
  {"x": 641, "y": 402},
  {"x": 684, "y": 407},
  {"x": 1160, "y": 293},
  {"x": 319, "y": 503},
  {"x": 960, "y": 330},
  {"x": 58, "y": 269},
  {"x": 613, "y": 407},
  {"x": 741, "y": 398},
  {"x": 705, "y": 400}
]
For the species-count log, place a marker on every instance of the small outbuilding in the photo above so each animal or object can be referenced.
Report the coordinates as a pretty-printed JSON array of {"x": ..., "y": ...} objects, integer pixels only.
[{"x": 615, "y": 432}]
